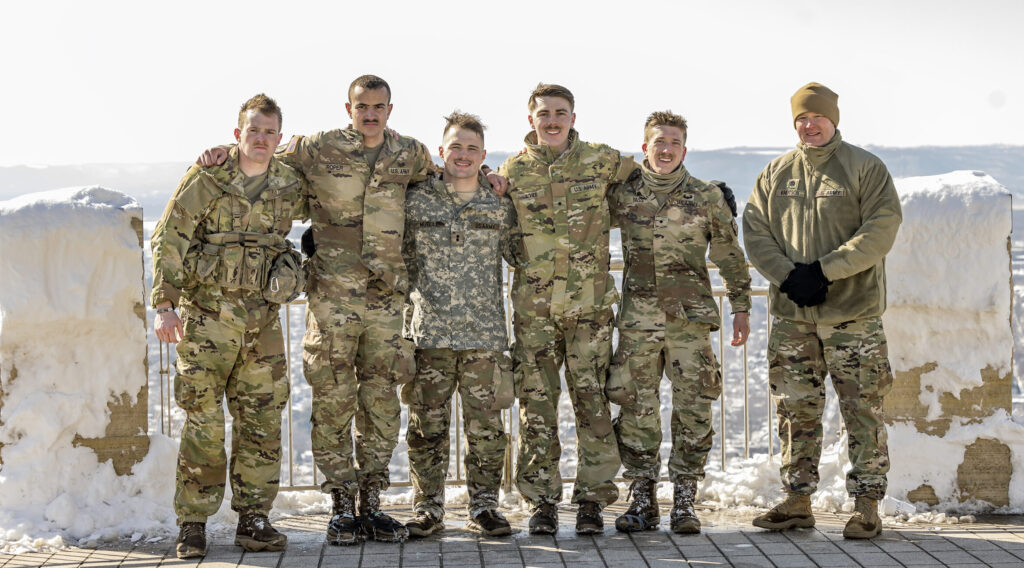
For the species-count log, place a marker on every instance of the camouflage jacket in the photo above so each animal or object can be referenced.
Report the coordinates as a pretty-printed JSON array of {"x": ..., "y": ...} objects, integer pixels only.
[
  {"x": 565, "y": 220},
  {"x": 664, "y": 248},
  {"x": 837, "y": 204},
  {"x": 212, "y": 200},
  {"x": 454, "y": 251},
  {"x": 357, "y": 211}
]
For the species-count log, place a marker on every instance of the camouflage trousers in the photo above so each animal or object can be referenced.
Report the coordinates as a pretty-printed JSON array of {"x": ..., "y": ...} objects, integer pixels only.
[
  {"x": 439, "y": 372},
  {"x": 237, "y": 351},
  {"x": 354, "y": 369},
  {"x": 584, "y": 345},
  {"x": 682, "y": 351},
  {"x": 856, "y": 356}
]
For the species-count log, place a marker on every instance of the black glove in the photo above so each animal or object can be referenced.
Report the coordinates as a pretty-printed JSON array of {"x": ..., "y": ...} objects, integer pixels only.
[
  {"x": 730, "y": 199},
  {"x": 307, "y": 244},
  {"x": 806, "y": 285}
]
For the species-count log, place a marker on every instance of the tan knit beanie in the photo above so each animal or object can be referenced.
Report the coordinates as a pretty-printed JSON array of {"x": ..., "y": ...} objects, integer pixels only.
[{"x": 817, "y": 98}]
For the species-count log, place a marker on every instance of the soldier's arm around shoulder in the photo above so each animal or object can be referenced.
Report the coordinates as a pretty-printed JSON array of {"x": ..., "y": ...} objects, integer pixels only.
[
  {"x": 616, "y": 193},
  {"x": 880, "y": 209},
  {"x": 724, "y": 249},
  {"x": 424, "y": 165},
  {"x": 174, "y": 232},
  {"x": 409, "y": 240},
  {"x": 513, "y": 247},
  {"x": 765, "y": 253},
  {"x": 624, "y": 167},
  {"x": 300, "y": 152}
]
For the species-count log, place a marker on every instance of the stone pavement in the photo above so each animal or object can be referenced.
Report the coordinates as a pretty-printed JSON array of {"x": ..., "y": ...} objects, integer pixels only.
[{"x": 728, "y": 540}]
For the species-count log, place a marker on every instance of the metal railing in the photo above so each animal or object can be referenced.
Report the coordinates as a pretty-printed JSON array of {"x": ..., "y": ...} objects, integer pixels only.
[{"x": 511, "y": 425}]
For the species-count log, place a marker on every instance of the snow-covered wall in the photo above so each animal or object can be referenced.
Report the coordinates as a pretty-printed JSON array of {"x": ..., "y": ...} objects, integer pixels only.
[
  {"x": 951, "y": 344},
  {"x": 72, "y": 347}
]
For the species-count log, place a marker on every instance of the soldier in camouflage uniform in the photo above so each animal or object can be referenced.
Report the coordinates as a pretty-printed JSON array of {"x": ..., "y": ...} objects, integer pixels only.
[
  {"x": 563, "y": 299},
  {"x": 212, "y": 249},
  {"x": 457, "y": 230},
  {"x": 670, "y": 221},
  {"x": 818, "y": 225}
]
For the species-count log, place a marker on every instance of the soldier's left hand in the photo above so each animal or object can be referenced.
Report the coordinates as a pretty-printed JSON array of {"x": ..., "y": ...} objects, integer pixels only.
[
  {"x": 740, "y": 328},
  {"x": 498, "y": 182}
]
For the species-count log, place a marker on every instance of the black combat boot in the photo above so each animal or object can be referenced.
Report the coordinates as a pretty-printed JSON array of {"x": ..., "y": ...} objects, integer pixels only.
[
  {"x": 643, "y": 513},
  {"x": 544, "y": 519},
  {"x": 376, "y": 523},
  {"x": 191, "y": 540},
  {"x": 588, "y": 518},
  {"x": 490, "y": 523},
  {"x": 683, "y": 518},
  {"x": 343, "y": 530},
  {"x": 254, "y": 533}
]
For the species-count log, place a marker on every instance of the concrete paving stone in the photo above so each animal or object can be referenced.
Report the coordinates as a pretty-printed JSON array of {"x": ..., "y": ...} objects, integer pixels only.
[
  {"x": 914, "y": 558},
  {"x": 624, "y": 557},
  {"x": 261, "y": 559},
  {"x": 504, "y": 565},
  {"x": 777, "y": 548},
  {"x": 299, "y": 561},
  {"x": 994, "y": 556},
  {"x": 805, "y": 535},
  {"x": 1012, "y": 543},
  {"x": 699, "y": 550},
  {"x": 1003, "y": 565},
  {"x": 766, "y": 536},
  {"x": 663, "y": 563},
  {"x": 353, "y": 550},
  {"x": 617, "y": 540},
  {"x": 751, "y": 561},
  {"x": 504, "y": 557},
  {"x": 953, "y": 556},
  {"x": 545, "y": 564},
  {"x": 818, "y": 547},
  {"x": 874, "y": 559},
  {"x": 582, "y": 543},
  {"x": 224, "y": 552},
  {"x": 662, "y": 551},
  {"x": 139, "y": 562},
  {"x": 708, "y": 561},
  {"x": 219, "y": 564},
  {"x": 587, "y": 564},
  {"x": 739, "y": 549},
  {"x": 459, "y": 546},
  {"x": 379, "y": 560},
  {"x": 466, "y": 558},
  {"x": 175, "y": 562},
  {"x": 591, "y": 555},
  {"x": 792, "y": 560},
  {"x": 651, "y": 538},
  {"x": 729, "y": 538},
  {"x": 304, "y": 547},
  {"x": 541, "y": 557},
  {"x": 850, "y": 546},
  {"x": 418, "y": 561},
  {"x": 892, "y": 545},
  {"x": 421, "y": 545},
  {"x": 832, "y": 559},
  {"x": 938, "y": 546}
]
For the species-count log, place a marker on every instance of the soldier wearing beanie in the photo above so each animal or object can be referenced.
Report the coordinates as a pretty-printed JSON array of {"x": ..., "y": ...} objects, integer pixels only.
[{"x": 818, "y": 225}]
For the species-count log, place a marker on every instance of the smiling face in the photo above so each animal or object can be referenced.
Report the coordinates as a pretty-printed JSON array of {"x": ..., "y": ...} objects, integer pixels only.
[
  {"x": 665, "y": 148},
  {"x": 369, "y": 110},
  {"x": 551, "y": 119},
  {"x": 462, "y": 151},
  {"x": 814, "y": 129},
  {"x": 259, "y": 136}
]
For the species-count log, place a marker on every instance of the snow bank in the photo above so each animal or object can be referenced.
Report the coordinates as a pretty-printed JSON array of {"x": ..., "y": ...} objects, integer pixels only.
[
  {"x": 948, "y": 320},
  {"x": 70, "y": 285}
]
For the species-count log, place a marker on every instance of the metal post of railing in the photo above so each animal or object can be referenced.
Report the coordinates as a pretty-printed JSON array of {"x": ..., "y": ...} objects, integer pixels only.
[
  {"x": 288, "y": 373},
  {"x": 506, "y": 480},
  {"x": 162, "y": 372},
  {"x": 721, "y": 358},
  {"x": 746, "y": 403},
  {"x": 768, "y": 384},
  {"x": 457, "y": 409}
]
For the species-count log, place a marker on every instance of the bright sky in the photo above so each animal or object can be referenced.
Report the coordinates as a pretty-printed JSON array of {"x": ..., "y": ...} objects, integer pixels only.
[{"x": 119, "y": 81}]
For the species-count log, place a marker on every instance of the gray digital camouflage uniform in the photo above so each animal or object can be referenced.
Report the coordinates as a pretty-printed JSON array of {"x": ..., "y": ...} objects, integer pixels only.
[
  {"x": 837, "y": 204},
  {"x": 354, "y": 355},
  {"x": 563, "y": 299},
  {"x": 232, "y": 344},
  {"x": 454, "y": 254},
  {"x": 666, "y": 317}
]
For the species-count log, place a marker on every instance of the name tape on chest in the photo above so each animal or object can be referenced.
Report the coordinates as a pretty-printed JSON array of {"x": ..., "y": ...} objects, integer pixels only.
[
  {"x": 584, "y": 187},
  {"x": 333, "y": 167},
  {"x": 792, "y": 189},
  {"x": 529, "y": 195}
]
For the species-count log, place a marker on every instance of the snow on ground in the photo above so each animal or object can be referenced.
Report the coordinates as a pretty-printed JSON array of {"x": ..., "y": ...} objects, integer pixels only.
[{"x": 105, "y": 506}]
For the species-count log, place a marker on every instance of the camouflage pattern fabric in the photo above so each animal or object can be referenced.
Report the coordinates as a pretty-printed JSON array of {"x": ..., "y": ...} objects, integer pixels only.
[
  {"x": 354, "y": 369},
  {"x": 232, "y": 344},
  {"x": 682, "y": 350},
  {"x": 439, "y": 373},
  {"x": 565, "y": 221},
  {"x": 353, "y": 351},
  {"x": 583, "y": 344},
  {"x": 453, "y": 252},
  {"x": 664, "y": 248},
  {"x": 562, "y": 298},
  {"x": 856, "y": 356},
  {"x": 236, "y": 351}
]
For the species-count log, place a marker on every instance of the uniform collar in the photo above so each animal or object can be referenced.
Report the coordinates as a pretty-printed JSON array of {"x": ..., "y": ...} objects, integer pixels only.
[
  {"x": 546, "y": 154},
  {"x": 818, "y": 155}
]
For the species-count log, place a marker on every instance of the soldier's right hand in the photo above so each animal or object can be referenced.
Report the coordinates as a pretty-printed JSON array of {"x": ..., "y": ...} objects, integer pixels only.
[
  {"x": 212, "y": 156},
  {"x": 168, "y": 327}
]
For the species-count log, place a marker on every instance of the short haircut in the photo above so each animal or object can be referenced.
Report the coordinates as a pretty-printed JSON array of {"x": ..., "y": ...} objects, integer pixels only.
[
  {"x": 551, "y": 90},
  {"x": 369, "y": 83},
  {"x": 459, "y": 119},
  {"x": 262, "y": 104},
  {"x": 664, "y": 118}
]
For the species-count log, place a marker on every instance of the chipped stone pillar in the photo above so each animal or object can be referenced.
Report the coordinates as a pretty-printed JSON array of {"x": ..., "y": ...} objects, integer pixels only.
[
  {"x": 73, "y": 367},
  {"x": 951, "y": 343}
]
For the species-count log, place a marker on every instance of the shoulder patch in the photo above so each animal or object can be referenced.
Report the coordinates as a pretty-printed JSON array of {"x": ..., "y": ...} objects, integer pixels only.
[{"x": 292, "y": 145}]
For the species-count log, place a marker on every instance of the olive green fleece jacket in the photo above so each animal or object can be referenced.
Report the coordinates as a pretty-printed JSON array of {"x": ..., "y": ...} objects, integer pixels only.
[{"x": 836, "y": 204}]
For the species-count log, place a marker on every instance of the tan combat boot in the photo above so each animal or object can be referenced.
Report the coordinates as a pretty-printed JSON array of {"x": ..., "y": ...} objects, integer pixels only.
[
  {"x": 794, "y": 512},
  {"x": 865, "y": 522}
]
